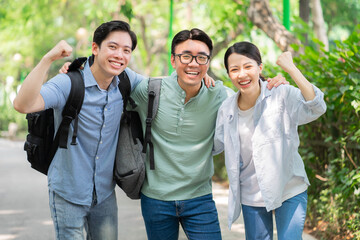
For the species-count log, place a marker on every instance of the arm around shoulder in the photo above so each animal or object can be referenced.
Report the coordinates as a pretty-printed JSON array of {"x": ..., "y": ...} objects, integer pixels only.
[{"x": 219, "y": 132}]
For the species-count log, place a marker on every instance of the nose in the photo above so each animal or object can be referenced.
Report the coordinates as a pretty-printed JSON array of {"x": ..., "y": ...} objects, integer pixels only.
[
  {"x": 119, "y": 53},
  {"x": 193, "y": 62},
  {"x": 241, "y": 73}
]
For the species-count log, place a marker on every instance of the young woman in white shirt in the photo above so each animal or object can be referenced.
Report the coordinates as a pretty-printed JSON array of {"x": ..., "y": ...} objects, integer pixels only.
[{"x": 257, "y": 129}]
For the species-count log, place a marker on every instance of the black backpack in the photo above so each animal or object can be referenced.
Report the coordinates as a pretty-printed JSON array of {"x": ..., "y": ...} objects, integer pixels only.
[{"x": 41, "y": 145}]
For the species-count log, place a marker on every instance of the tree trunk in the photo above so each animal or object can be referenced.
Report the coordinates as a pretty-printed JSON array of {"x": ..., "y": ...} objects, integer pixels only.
[
  {"x": 319, "y": 23},
  {"x": 304, "y": 13},
  {"x": 260, "y": 14},
  {"x": 304, "y": 10}
]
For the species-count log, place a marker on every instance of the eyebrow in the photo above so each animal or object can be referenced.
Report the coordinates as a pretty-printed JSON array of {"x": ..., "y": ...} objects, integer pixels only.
[
  {"x": 113, "y": 42},
  {"x": 234, "y": 66},
  {"x": 201, "y": 53}
]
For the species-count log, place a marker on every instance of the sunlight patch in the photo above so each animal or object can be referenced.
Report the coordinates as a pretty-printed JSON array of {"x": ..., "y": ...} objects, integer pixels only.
[
  {"x": 8, "y": 212},
  {"x": 7, "y": 237}
]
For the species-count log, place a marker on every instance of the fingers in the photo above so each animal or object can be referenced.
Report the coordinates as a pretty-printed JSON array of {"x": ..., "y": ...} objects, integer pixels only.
[
  {"x": 285, "y": 61},
  {"x": 65, "y": 67},
  {"x": 276, "y": 81},
  {"x": 66, "y": 48},
  {"x": 61, "y": 50},
  {"x": 209, "y": 81}
]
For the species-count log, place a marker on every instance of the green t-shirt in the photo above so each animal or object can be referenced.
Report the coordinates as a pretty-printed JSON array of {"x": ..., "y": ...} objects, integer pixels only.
[{"x": 182, "y": 135}]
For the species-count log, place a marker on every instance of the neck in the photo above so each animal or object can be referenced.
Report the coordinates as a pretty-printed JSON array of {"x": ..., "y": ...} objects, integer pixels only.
[
  {"x": 102, "y": 80},
  {"x": 247, "y": 100},
  {"x": 190, "y": 91}
]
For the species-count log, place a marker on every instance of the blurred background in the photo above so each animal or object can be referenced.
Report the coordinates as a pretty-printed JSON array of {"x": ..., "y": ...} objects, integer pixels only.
[{"x": 324, "y": 35}]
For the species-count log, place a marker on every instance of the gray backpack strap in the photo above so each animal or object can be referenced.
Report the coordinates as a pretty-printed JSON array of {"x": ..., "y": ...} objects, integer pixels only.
[{"x": 154, "y": 87}]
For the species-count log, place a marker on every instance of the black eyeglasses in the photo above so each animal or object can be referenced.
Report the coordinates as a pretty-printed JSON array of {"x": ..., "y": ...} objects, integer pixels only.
[{"x": 186, "y": 58}]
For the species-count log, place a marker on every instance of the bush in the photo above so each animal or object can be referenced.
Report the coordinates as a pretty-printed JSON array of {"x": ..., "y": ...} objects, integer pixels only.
[
  {"x": 8, "y": 114},
  {"x": 330, "y": 146}
]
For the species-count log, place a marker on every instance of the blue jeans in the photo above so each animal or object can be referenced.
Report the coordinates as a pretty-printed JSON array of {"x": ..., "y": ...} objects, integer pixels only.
[
  {"x": 290, "y": 219},
  {"x": 100, "y": 221},
  {"x": 198, "y": 217}
]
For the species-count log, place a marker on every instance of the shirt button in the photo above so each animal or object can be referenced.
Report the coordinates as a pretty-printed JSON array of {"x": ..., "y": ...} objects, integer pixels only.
[
  {"x": 105, "y": 109},
  {"x": 104, "y": 125},
  {"x": 100, "y": 142},
  {"x": 97, "y": 157}
]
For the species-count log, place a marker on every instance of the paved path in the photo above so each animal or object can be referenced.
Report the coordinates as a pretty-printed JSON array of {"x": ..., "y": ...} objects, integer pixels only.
[{"x": 25, "y": 215}]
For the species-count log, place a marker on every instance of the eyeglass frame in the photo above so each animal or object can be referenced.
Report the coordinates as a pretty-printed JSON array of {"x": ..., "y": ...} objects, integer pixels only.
[{"x": 192, "y": 58}]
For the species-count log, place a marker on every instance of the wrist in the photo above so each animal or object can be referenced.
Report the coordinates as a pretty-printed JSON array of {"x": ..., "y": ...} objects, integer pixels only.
[
  {"x": 47, "y": 60},
  {"x": 291, "y": 69}
]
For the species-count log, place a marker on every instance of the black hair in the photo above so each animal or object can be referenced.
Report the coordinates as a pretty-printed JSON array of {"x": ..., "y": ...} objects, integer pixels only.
[
  {"x": 244, "y": 48},
  {"x": 106, "y": 28},
  {"x": 193, "y": 34}
]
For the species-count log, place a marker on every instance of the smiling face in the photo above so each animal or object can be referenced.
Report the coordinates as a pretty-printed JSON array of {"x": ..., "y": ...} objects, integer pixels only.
[
  {"x": 113, "y": 55},
  {"x": 244, "y": 73},
  {"x": 190, "y": 75}
]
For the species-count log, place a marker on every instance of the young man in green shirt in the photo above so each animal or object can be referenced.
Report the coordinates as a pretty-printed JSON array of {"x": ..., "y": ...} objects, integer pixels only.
[{"x": 179, "y": 189}]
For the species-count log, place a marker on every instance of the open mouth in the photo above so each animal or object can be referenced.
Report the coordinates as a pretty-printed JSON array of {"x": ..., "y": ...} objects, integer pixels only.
[
  {"x": 244, "y": 83},
  {"x": 192, "y": 73},
  {"x": 116, "y": 64}
]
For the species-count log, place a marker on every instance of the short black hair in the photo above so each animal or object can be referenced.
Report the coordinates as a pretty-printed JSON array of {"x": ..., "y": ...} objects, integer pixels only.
[
  {"x": 106, "y": 28},
  {"x": 193, "y": 34}
]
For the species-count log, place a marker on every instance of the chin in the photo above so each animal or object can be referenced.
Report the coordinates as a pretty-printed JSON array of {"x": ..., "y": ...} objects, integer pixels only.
[{"x": 118, "y": 72}]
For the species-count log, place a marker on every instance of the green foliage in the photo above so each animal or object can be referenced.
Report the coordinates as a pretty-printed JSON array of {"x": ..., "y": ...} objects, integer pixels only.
[
  {"x": 220, "y": 173},
  {"x": 344, "y": 13},
  {"x": 9, "y": 115},
  {"x": 330, "y": 145}
]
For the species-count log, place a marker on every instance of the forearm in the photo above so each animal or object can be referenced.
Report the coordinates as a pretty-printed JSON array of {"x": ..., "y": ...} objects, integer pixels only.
[
  {"x": 303, "y": 84},
  {"x": 29, "y": 99}
]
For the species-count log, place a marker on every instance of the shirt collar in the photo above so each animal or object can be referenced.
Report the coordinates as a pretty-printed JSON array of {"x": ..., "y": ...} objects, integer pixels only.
[
  {"x": 90, "y": 81},
  {"x": 174, "y": 77},
  {"x": 265, "y": 92}
]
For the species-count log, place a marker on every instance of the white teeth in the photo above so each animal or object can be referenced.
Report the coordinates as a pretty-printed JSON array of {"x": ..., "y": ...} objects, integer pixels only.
[
  {"x": 116, "y": 64},
  {"x": 192, "y": 73},
  {"x": 244, "y": 83}
]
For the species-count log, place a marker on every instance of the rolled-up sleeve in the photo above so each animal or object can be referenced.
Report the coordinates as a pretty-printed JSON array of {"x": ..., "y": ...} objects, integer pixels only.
[{"x": 304, "y": 111}]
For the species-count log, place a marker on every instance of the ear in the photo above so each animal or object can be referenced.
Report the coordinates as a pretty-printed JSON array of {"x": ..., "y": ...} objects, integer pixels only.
[
  {"x": 172, "y": 59},
  {"x": 261, "y": 67},
  {"x": 94, "y": 48}
]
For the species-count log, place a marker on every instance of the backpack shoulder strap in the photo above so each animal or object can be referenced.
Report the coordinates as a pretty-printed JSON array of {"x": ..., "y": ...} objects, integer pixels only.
[
  {"x": 71, "y": 108},
  {"x": 73, "y": 104},
  {"x": 154, "y": 87},
  {"x": 125, "y": 88}
]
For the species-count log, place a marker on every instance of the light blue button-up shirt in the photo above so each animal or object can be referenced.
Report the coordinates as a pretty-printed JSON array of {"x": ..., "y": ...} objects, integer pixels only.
[{"x": 76, "y": 171}]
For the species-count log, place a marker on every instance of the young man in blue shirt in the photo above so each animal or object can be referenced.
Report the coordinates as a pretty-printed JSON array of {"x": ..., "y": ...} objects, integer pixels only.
[{"x": 80, "y": 178}]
